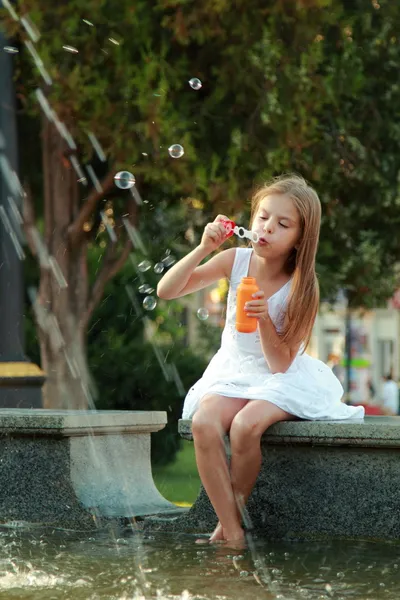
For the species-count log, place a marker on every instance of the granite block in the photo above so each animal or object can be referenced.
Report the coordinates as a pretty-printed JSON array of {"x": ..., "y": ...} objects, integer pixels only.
[{"x": 76, "y": 469}]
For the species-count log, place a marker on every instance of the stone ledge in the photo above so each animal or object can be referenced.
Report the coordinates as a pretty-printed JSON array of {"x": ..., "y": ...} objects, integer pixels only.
[
  {"x": 77, "y": 469},
  {"x": 71, "y": 423},
  {"x": 318, "y": 480},
  {"x": 369, "y": 432}
]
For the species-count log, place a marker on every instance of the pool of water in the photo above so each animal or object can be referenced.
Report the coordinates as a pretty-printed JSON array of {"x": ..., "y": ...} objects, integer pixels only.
[{"x": 127, "y": 565}]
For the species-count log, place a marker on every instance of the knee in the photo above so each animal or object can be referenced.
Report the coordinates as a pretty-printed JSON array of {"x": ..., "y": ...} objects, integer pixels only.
[
  {"x": 244, "y": 434},
  {"x": 204, "y": 428}
]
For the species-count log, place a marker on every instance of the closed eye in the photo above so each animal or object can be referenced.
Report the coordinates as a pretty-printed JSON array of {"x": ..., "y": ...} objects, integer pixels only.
[{"x": 282, "y": 225}]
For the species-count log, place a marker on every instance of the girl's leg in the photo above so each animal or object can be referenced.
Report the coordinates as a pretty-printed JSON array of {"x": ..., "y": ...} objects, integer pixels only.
[
  {"x": 245, "y": 435},
  {"x": 209, "y": 425}
]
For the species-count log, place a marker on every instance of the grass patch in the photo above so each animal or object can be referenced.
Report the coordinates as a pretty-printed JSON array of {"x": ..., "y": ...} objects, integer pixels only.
[{"x": 179, "y": 481}]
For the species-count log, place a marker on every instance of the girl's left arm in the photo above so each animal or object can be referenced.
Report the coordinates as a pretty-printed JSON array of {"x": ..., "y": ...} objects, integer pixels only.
[{"x": 279, "y": 356}]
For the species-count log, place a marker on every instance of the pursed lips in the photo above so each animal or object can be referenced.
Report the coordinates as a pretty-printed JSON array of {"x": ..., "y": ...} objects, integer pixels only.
[{"x": 262, "y": 241}]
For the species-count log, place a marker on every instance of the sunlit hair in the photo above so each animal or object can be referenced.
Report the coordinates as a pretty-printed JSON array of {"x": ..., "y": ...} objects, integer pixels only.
[{"x": 303, "y": 299}]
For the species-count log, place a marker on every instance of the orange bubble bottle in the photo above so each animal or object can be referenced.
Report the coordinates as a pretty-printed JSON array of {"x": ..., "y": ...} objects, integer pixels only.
[{"x": 246, "y": 288}]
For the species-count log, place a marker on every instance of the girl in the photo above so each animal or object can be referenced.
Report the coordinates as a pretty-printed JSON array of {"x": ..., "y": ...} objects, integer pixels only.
[{"x": 257, "y": 379}]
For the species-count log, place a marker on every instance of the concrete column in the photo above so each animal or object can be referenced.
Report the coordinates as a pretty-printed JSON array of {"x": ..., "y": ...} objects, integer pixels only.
[{"x": 20, "y": 380}]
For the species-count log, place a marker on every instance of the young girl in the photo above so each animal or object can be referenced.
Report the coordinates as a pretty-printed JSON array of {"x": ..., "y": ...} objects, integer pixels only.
[{"x": 257, "y": 379}]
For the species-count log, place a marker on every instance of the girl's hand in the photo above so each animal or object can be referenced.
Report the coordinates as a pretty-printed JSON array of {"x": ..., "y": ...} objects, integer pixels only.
[
  {"x": 258, "y": 307},
  {"x": 214, "y": 234}
]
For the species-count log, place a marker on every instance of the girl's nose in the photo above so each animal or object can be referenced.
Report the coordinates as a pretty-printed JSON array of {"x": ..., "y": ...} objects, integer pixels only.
[{"x": 268, "y": 226}]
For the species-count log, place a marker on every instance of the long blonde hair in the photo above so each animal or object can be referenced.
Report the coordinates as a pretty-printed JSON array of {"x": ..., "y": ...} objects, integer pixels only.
[{"x": 303, "y": 299}]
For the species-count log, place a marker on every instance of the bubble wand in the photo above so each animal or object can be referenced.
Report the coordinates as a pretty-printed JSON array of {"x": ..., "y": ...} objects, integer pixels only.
[{"x": 231, "y": 228}]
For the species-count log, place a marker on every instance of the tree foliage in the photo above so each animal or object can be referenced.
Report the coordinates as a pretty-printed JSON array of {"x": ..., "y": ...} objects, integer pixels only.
[
  {"x": 304, "y": 86},
  {"x": 292, "y": 85}
]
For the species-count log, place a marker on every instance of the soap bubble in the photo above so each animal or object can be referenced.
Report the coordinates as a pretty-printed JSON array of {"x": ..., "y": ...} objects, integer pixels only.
[
  {"x": 124, "y": 180},
  {"x": 159, "y": 268},
  {"x": 144, "y": 266},
  {"x": 202, "y": 314},
  {"x": 145, "y": 288},
  {"x": 176, "y": 151},
  {"x": 195, "y": 83},
  {"x": 168, "y": 260},
  {"x": 149, "y": 303},
  {"x": 10, "y": 49}
]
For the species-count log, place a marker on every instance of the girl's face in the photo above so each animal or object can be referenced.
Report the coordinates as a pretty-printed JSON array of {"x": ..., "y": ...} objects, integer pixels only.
[{"x": 277, "y": 223}]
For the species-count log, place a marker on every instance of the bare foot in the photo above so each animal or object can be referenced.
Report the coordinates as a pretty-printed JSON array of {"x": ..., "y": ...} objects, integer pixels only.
[
  {"x": 218, "y": 534},
  {"x": 237, "y": 544},
  {"x": 202, "y": 540},
  {"x": 235, "y": 539}
]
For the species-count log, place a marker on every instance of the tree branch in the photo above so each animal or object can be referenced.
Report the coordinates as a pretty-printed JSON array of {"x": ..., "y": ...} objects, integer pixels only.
[
  {"x": 75, "y": 230},
  {"x": 110, "y": 266}
]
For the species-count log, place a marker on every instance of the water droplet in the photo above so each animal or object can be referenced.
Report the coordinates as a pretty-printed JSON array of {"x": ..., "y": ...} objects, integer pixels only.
[
  {"x": 10, "y": 49},
  {"x": 203, "y": 314},
  {"x": 195, "y": 83},
  {"x": 159, "y": 268},
  {"x": 124, "y": 180},
  {"x": 149, "y": 303},
  {"x": 145, "y": 288},
  {"x": 71, "y": 49},
  {"x": 168, "y": 261},
  {"x": 144, "y": 266},
  {"x": 176, "y": 151}
]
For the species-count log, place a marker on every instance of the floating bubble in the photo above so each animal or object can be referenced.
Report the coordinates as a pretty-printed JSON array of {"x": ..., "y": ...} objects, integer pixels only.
[
  {"x": 203, "y": 314},
  {"x": 340, "y": 575},
  {"x": 176, "y": 151},
  {"x": 149, "y": 303},
  {"x": 124, "y": 180},
  {"x": 195, "y": 83},
  {"x": 10, "y": 49},
  {"x": 145, "y": 288},
  {"x": 168, "y": 260},
  {"x": 71, "y": 49},
  {"x": 144, "y": 266},
  {"x": 159, "y": 268}
]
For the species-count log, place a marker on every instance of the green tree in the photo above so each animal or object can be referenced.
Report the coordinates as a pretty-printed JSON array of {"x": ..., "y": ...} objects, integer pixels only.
[{"x": 291, "y": 85}]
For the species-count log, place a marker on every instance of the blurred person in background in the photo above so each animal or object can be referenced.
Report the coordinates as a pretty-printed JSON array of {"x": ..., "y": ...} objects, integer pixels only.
[{"x": 390, "y": 396}]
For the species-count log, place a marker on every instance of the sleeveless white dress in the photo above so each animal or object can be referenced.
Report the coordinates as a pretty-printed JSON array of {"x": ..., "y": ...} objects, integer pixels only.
[{"x": 308, "y": 389}]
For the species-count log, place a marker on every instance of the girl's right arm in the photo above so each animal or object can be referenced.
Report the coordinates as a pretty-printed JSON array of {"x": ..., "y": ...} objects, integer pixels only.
[{"x": 186, "y": 277}]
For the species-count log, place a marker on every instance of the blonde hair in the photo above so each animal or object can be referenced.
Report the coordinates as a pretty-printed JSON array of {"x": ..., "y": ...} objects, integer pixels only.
[{"x": 303, "y": 299}]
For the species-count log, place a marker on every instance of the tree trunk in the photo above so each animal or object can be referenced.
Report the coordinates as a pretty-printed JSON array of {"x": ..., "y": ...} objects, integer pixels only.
[{"x": 62, "y": 338}]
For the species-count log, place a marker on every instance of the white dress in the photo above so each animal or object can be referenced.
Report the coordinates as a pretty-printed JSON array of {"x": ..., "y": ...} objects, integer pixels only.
[{"x": 308, "y": 389}]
